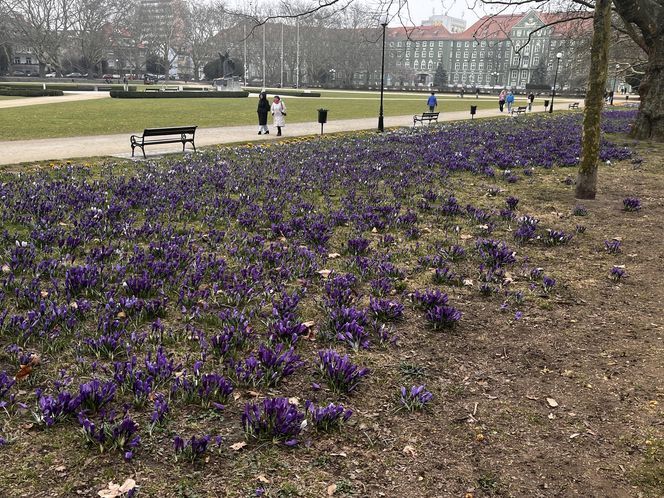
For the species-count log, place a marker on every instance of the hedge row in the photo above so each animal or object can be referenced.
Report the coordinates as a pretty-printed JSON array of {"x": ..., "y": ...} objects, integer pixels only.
[
  {"x": 71, "y": 87},
  {"x": 117, "y": 94},
  {"x": 29, "y": 92},
  {"x": 287, "y": 93}
]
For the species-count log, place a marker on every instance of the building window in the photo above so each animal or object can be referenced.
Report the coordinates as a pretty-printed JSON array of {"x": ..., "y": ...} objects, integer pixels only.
[
  {"x": 483, "y": 43},
  {"x": 456, "y": 78},
  {"x": 465, "y": 54},
  {"x": 466, "y": 44},
  {"x": 524, "y": 75},
  {"x": 430, "y": 65},
  {"x": 17, "y": 60},
  {"x": 440, "y": 54},
  {"x": 515, "y": 74},
  {"x": 456, "y": 66},
  {"x": 391, "y": 44},
  {"x": 479, "y": 78},
  {"x": 473, "y": 55},
  {"x": 480, "y": 66},
  {"x": 430, "y": 53},
  {"x": 28, "y": 60},
  {"x": 472, "y": 66},
  {"x": 440, "y": 43},
  {"x": 416, "y": 65},
  {"x": 465, "y": 66},
  {"x": 536, "y": 60}
]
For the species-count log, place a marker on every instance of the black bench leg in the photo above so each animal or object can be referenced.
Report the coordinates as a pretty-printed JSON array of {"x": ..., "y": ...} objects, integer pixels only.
[
  {"x": 193, "y": 145},
  {"x": 132, "y": 151}
]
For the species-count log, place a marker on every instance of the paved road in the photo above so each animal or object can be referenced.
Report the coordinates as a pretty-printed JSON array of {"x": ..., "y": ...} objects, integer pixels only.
[
  {"x": 22, "y": 151},
  {"x": 67, "y": 97}
]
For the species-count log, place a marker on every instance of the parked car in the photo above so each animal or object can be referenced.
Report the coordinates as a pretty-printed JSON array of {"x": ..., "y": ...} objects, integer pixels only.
[
  {"x": 19, "y": 73},
  {"x": 50, "y": 75},
  {"x": 74, "y": 75}
]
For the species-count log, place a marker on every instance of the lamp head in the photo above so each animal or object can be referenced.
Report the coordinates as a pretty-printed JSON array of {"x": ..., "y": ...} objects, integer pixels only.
[{"x": 559, "y": 55}]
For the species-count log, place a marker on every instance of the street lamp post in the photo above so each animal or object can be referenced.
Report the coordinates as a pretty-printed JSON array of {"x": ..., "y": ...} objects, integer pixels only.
[
  {"x": 559, "y": 56},
  {"x": 381, "y": 126},
  {"x": 615, "y": 79},
  {"x": 495, "y": 75}
]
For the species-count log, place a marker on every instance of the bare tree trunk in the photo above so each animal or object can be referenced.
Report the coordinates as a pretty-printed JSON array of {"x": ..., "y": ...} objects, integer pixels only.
[
  {"x": 650, "y": 121},
  {"x": 586, "y": 183}
]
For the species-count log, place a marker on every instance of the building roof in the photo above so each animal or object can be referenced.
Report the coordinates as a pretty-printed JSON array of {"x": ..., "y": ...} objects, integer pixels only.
[{"x": 496, "y": 27}]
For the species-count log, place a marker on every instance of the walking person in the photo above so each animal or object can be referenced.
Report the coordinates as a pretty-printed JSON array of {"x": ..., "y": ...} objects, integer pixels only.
[
  {"x": 531, "y": 99},
  {"x": 263, "y": 109},
  {"x": 278, "y": 112},
  {"x": 432, "y": 102},
  {"x": 501, "y": 99},
  {"x": 509, "y": 100},
  {"x": 477, "y": 93}
]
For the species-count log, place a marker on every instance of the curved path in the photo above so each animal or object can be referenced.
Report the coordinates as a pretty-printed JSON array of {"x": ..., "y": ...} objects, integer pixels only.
[{"x": 22, "y": 151}]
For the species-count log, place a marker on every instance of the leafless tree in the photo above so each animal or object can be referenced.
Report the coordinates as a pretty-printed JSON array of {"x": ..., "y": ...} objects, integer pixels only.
[{"x": 43, "y": 25}]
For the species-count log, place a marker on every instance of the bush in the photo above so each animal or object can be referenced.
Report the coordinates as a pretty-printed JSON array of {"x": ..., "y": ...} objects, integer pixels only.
[
  {"x": 119, "y": 94},
  {"x": 29, "y": 92},
  {"x": 80, "y": 87}
]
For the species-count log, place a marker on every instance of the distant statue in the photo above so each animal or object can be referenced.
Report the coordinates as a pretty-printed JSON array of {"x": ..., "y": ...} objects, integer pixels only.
[{"x": 227, "y": 65}]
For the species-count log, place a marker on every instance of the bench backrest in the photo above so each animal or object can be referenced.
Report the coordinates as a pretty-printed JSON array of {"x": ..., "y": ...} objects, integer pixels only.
[
  {"x": 174, "y": 130},
  {"x": 429, "y": 114}
]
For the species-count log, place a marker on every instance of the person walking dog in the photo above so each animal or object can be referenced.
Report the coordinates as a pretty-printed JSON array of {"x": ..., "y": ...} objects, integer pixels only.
[
  {"x": 432, "y": 102},
  {"x": 531, "y": 99},
  {"x": 263, "y": 109},
  {"x": 278, "y": 114}
]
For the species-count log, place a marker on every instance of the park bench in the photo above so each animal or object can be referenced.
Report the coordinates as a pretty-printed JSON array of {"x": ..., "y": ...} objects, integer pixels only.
[
  {"x": 573, "y": 105},
  {"x": 171, "y": 88},
  {"x": 152, "y": 89},
  {"x": 171, "y": 135},
  {"x": 425, "y": 116},
  {"x": 519, "y": 110}
]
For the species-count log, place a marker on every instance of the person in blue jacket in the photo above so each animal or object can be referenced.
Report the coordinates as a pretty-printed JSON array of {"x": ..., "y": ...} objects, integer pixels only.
[
  {"x": 509, "y": 100},
  {"x": 432, "y": 102}
]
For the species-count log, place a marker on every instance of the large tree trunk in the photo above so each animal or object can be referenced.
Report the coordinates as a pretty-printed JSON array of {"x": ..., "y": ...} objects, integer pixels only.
[
  {"x": 650, "y": 120},
  {"x": 644, "y": 20},
  {"x": 586, "y": 183}
]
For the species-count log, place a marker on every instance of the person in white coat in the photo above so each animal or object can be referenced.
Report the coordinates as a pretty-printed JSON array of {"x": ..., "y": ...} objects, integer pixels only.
[{"x": 278, "y": 114}]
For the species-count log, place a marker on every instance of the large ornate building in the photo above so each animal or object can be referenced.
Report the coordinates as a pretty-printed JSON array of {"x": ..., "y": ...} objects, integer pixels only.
[{"x": 496, "y": 51}]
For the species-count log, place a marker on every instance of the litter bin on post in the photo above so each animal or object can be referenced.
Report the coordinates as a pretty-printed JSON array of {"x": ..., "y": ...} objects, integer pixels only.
[
  {"x": 473, "y": 111},
  {"x": 546, "y": 105},
  {"x": 322, "y": 118}
]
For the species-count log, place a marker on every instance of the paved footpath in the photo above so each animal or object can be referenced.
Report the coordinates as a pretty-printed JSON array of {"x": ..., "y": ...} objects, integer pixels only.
[{"x": 23, "y": 151}]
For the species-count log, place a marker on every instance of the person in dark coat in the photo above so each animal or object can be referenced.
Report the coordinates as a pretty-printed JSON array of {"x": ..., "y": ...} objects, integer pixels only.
[{"x": 263, "y": 110}]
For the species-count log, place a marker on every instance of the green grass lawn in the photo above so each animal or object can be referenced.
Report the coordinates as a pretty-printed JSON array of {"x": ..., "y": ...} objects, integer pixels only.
[
  {"x": 109, "y": 116},
  {"x": 9, "y": 97}
]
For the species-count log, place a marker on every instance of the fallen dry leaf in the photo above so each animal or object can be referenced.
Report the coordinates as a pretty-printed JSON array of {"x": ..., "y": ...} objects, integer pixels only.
[
  {"x": 238, "y": 446},
  {"x": 60, "y": 468},
  {"x": 263, "y": 479},
  {"x": 25, "y": 370},
  {"x": 324, "y": 273},
  {"x": 409, "y": 450},
  {"x": 113, "y": 490},
  {"x": 552, "y": 402},
  {"x": 334, "y": 255},
  {"x": 331, "y": 489},
  {"x": 294, "y": 401},
  {"x": 309, "y": 324}
]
